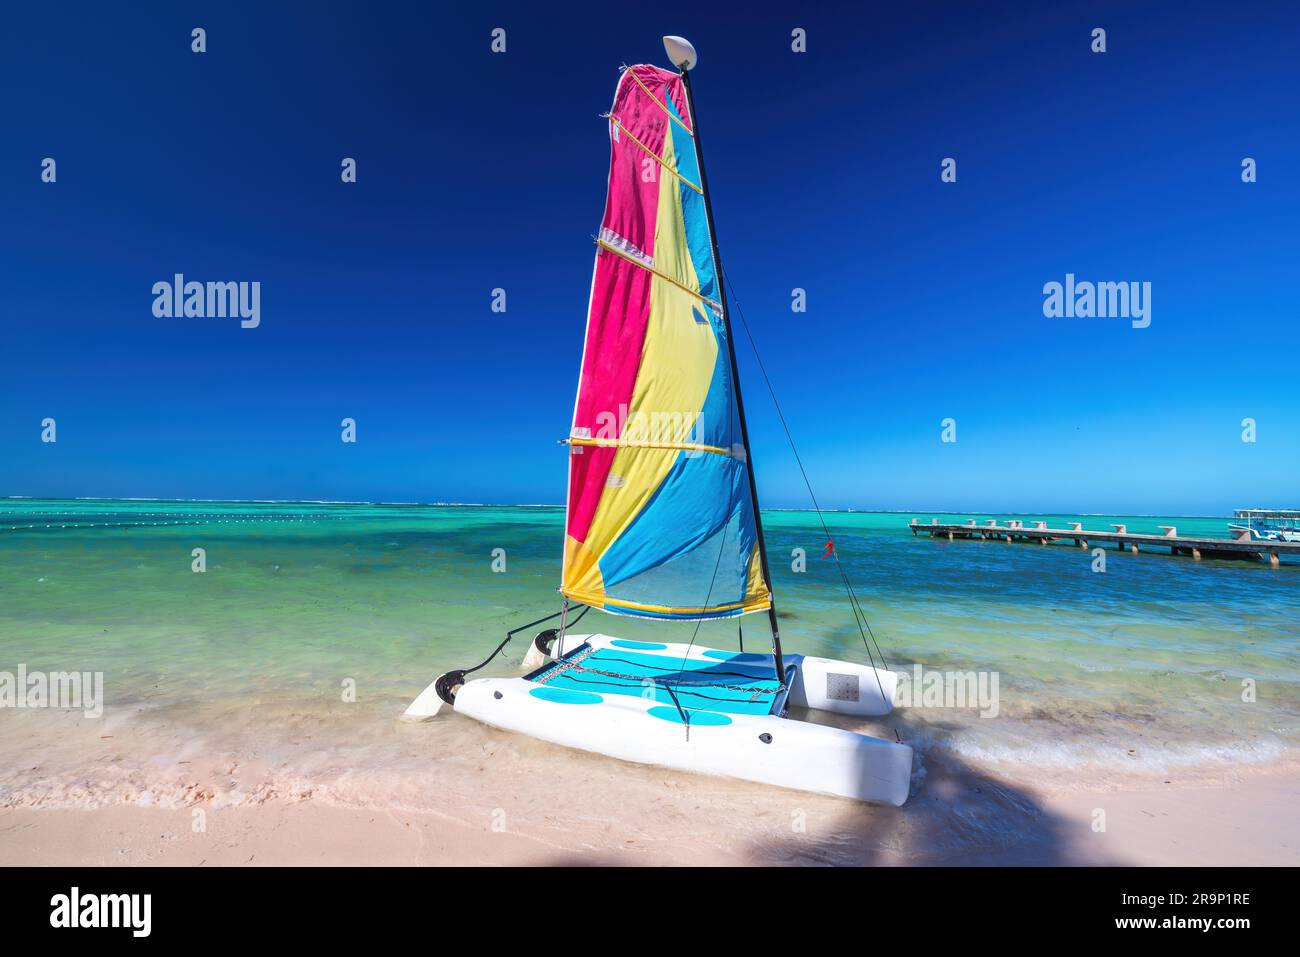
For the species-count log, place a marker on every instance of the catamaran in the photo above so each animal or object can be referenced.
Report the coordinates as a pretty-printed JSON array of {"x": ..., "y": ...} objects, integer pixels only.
[{"x": 662, "y": 515}]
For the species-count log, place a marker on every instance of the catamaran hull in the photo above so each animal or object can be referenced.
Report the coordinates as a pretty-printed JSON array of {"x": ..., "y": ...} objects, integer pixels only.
[{"x": 764, "y": 748}]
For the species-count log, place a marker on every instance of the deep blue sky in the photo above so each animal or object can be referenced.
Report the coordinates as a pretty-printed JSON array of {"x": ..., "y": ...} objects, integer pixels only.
[{"x": 479, "y": 170}]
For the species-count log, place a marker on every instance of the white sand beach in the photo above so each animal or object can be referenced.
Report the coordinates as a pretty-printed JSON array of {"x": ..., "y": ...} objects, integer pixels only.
[{"x": 624, "y": 815}]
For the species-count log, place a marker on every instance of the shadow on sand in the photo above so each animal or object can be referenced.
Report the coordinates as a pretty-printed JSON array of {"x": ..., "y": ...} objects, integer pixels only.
[{"x": 955, "y": 815}]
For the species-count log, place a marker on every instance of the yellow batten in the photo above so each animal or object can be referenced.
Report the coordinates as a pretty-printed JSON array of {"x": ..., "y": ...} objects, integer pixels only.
[
  {"x": 649, "y": 152},
  {"x": 659, "y": 103},
  {"x": 760, "y": 603},
  {"x": 634, "y": 444},
  {"x": 650, "y": 269}
]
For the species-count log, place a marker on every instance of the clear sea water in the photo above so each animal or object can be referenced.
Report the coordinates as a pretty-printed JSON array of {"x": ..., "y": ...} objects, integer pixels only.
[{"x": 229, "y": 686}]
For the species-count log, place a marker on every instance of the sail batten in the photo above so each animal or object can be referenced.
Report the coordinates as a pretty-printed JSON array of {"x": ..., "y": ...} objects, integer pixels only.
[
  {"x": 674, "y": 115},
  {"x": 661, "y": 517},
  {"x": 657, "y": 158},
  {"x": 649, "y": 266},
  {"x": 635, "y": 444}
]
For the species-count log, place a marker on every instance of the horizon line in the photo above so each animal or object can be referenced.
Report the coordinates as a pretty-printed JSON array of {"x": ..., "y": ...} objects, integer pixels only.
[{"x": 439, "y": 504}]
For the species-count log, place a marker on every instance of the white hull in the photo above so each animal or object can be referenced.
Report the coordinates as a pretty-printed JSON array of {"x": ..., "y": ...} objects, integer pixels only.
[{"x": 765, "y": 748}]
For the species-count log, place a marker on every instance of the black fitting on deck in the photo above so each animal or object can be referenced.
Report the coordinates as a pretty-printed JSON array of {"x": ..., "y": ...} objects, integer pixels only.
[
  {"x": 447, "y": 684},
  {"x": 545, "y": 639}
]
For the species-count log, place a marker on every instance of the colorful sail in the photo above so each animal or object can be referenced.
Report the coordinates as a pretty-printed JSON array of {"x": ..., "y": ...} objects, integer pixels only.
[{"x": 661, "y": 521}]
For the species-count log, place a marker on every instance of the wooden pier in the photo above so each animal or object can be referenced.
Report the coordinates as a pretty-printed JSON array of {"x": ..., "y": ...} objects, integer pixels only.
[{"x": 1241, "y": 546}]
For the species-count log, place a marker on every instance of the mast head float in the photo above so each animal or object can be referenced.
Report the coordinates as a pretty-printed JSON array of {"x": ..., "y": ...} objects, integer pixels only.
[{"x": 680, "y": 53}]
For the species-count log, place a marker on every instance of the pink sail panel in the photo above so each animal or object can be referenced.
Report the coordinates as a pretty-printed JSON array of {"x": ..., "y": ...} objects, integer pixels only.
[{"x": 620, "y": 292}]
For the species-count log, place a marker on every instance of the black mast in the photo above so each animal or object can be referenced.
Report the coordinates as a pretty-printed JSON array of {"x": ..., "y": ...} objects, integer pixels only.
[{"x": 735, "y": 376}]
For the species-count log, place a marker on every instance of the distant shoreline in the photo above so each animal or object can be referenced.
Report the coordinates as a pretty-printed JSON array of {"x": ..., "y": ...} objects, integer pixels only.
[{"x": 917, "y": 512}]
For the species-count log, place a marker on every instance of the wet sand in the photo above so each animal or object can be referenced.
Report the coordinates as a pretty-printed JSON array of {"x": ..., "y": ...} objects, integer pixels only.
[{"x": 1245, "y": 819}]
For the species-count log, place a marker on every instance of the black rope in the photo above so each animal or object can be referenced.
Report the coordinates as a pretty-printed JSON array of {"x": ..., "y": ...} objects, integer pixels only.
[
  {"x": 679, "y": 671},
  {"x": 640, "y": 680},
  {"x": 859, "y": 615},
  {"x": 722, "y": 546},
  {"x": 510, "y": 634},
  {"x": 686, "y": 721},
  {"x": 610, "y": 683}
]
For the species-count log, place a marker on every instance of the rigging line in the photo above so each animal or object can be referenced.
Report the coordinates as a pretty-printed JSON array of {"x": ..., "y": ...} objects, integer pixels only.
[
  {"x": 613, "y": 119},
  {"x": 559, "y": 667},
  {"x": 512, "y": 633},
  {"x": 853, "y": 598},
  {"x": 754, "y": 697},
  {"x": 658, "y": 102},
  {"x": 722, "y": 538},
  {"x": 755, "y": 676},
  {"x": 722, "y": 545},
  {"x": 611, "y": 679},
  {"x": 638, "y": 681},
  {"x": 686, "y": 721}
]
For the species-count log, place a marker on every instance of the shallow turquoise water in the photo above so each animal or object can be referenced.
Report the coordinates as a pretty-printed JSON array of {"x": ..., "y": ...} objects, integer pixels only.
[{"x": 1137, "y": 668}]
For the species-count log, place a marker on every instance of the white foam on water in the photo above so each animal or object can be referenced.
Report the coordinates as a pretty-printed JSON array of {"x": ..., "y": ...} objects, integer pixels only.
[{"x": 1057, "y": 755}]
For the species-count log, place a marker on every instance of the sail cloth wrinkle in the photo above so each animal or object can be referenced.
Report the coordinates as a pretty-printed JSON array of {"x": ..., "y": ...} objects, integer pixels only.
[{"x": 659, "y": 523}]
